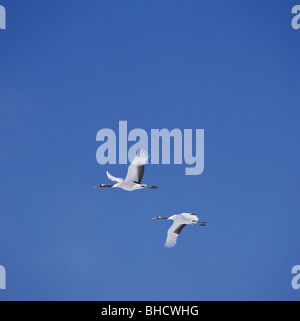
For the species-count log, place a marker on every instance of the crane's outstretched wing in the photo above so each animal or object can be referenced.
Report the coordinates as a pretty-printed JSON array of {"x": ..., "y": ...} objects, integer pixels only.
[
  {"x": 136, "y": 169},
  {"x": 112, "y": 178},
  {"x": 173, "y": 233}
]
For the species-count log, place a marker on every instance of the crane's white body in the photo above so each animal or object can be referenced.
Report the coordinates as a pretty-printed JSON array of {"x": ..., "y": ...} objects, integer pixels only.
[
  {"x": 129, "y": 186},
  {"x": 180, "y": 221},
  {"x": 134, "y": 175}
]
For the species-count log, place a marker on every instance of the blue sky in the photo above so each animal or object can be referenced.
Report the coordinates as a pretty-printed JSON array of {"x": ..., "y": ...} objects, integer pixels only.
[{"x": 70, "y": 68}]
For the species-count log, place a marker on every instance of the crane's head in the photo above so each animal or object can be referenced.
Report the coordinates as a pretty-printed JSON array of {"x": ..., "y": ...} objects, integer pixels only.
[{"x": 159, "y": 218}]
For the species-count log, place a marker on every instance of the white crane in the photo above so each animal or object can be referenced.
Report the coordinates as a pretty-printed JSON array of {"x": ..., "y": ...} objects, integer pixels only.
[
  {"x": 134, "y": 176},
  {"x": 180, "y": 221}
]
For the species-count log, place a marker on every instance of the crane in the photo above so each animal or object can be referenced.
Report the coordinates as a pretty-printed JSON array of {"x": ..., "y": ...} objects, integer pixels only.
[
  {"x": 134, "y": 176},
  {"x": 180, "y": 221}
]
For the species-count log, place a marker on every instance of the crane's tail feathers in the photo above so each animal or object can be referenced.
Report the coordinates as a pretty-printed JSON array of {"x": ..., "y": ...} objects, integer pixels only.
[{"x": 145, "y": 186}]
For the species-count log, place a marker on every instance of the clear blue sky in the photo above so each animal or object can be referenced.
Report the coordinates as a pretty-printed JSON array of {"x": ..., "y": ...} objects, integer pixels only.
[{"x": 70, "y": 68}]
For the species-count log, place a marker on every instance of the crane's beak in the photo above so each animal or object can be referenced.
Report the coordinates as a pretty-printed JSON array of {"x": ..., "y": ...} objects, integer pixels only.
[{"x": 160, "y": 218}]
